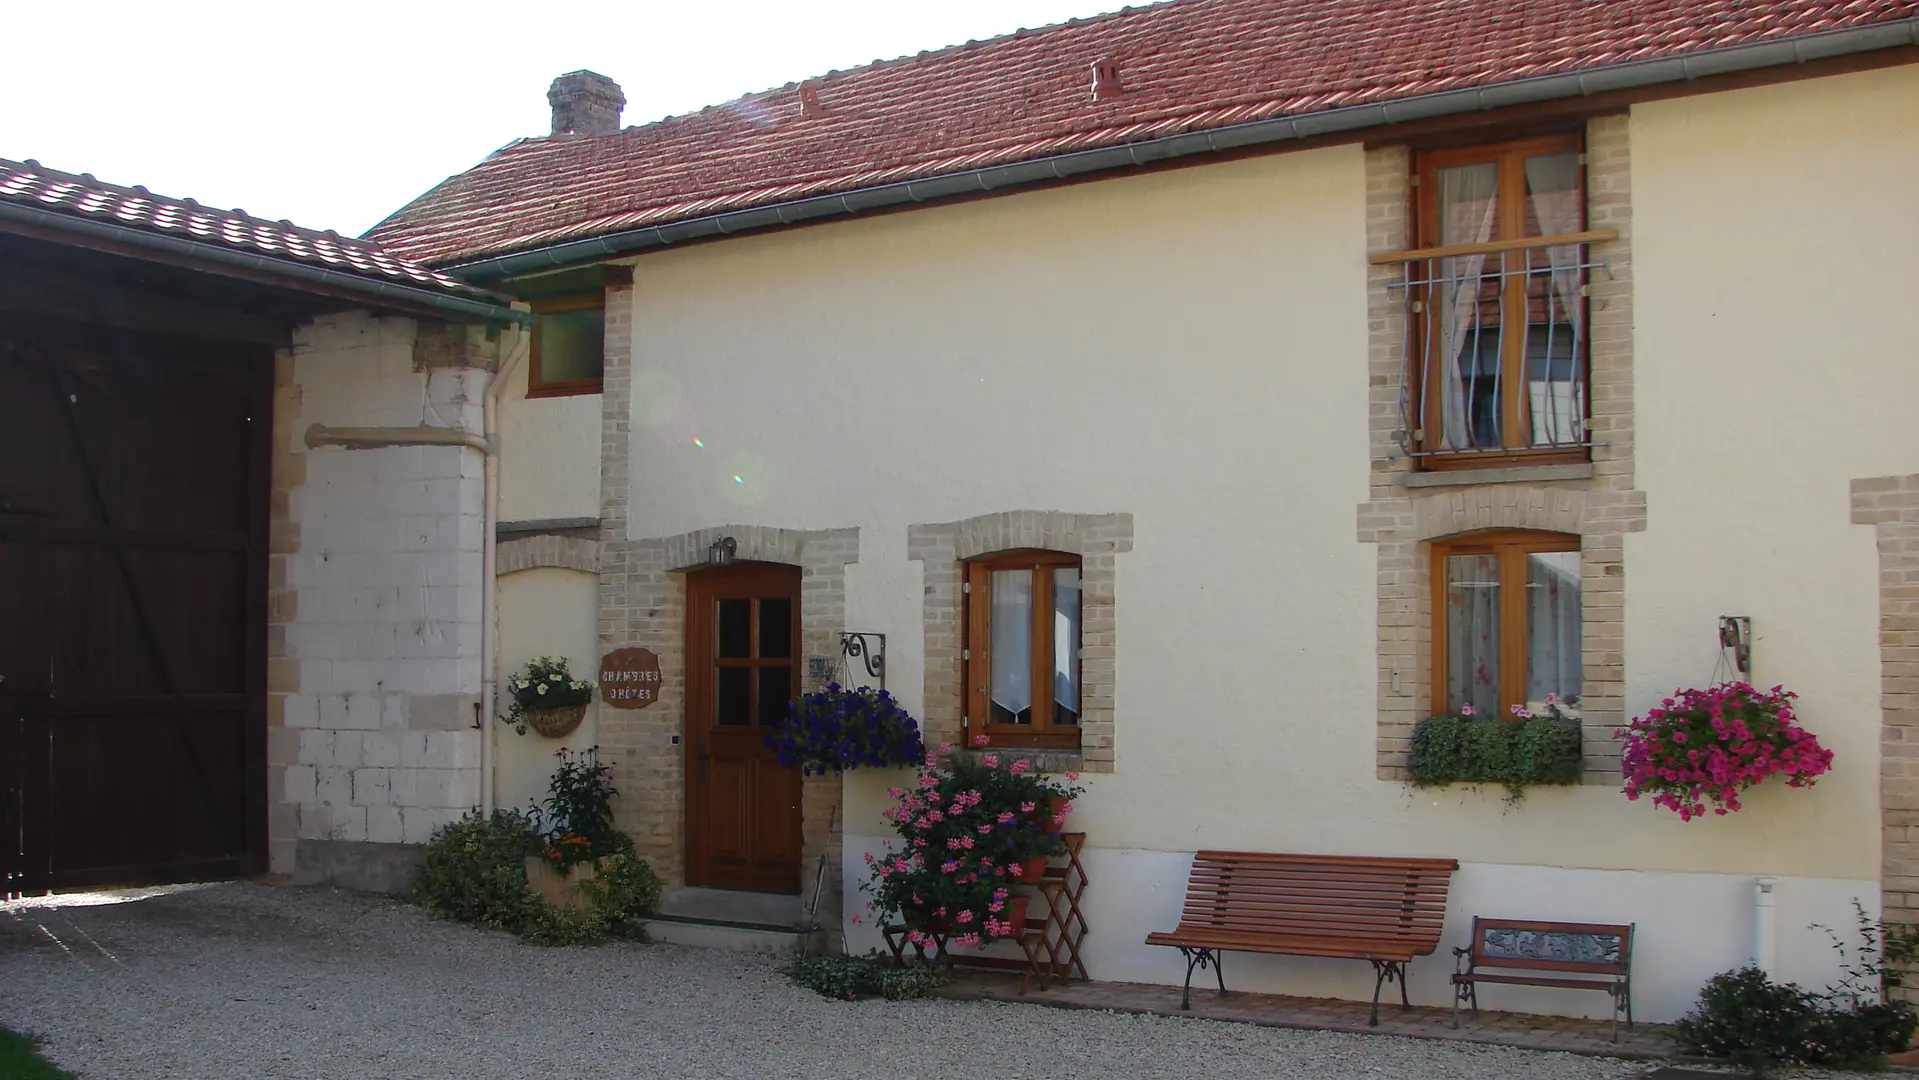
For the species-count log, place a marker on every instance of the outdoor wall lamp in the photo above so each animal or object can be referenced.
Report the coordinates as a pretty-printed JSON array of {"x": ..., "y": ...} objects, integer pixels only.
[{"x": 721, "y": 551}]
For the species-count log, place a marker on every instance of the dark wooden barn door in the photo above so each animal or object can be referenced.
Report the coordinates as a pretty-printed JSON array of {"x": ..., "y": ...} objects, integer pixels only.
[
  {"x": 132, "y": 630},
  {"x": 742, "y": 670}
]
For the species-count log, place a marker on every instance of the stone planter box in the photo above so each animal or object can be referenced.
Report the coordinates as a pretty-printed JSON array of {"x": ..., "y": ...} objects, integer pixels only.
[{"x": 560, "y": 890}]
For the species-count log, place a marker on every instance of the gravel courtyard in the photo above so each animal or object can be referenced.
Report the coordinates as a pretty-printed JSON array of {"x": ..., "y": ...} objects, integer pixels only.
[{"x": 247, "y": 981}]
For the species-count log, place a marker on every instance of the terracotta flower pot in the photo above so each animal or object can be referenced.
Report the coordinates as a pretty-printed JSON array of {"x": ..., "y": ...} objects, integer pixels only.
[
  {"x": 1016, "y": 911},
  {"x": 1033, "y": 870},
  {"x": 556, "y": 723}
]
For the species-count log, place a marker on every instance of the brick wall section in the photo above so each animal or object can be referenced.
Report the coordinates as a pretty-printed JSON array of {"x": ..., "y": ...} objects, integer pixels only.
[
  {"x": 547, "y": 550},
  {"x": 1402, "y": 522},
  {"x": 374, "y": 579},
  {"x": 1097, "y": 539},
  {"x": 1891, "y": 505}
]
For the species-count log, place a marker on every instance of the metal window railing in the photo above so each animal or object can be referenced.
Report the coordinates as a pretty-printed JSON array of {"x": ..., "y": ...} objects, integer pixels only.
[{"x": 1494, "y": 359}]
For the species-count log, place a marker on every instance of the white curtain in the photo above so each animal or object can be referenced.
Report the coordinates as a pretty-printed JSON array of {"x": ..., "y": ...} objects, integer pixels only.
[
  {"x": 1468, "y": 211},
  {"x": 1011, "y": 626},
  {"x": 1552, "y": 186},
  {"x": 1552, "y": 624},
  {"x": 1066, "y": 642},
  {"x": 1472, "y": 633}
]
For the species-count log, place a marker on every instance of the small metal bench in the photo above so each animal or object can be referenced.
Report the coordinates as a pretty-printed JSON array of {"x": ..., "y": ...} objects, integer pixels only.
[
  {"x": 1547, "y": 954},
  {"x": 1383, "y": 910}
]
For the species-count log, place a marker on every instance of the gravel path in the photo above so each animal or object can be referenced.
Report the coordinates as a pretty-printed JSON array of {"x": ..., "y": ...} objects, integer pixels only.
[{"x": 244, "y": 981}]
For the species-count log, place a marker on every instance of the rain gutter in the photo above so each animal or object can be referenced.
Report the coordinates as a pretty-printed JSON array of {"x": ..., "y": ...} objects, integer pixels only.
[
  {"x": 1627, "y": 76},
  {"x": 236, "y": 263}
]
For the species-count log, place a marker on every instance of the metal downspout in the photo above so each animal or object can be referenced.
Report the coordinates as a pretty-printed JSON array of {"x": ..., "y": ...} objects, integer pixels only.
[{"x": 489, "y": 564}]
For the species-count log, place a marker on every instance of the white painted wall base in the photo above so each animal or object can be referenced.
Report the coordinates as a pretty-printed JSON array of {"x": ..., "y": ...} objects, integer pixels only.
[{"x": 1690, "y": 927}]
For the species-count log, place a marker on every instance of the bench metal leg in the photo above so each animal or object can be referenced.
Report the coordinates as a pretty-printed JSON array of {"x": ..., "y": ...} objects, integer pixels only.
[
  {"x": 1197, "y": 958},
  {"x": 1466, "y": 993},
  {"x": 1388, "y": 971}
]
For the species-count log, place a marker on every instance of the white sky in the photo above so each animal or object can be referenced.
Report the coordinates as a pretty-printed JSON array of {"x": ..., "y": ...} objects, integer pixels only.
[{"x": 334, "y": 114}]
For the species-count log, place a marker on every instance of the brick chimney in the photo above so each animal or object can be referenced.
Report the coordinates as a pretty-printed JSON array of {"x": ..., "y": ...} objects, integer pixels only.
[{"x": 585, "y": 103}]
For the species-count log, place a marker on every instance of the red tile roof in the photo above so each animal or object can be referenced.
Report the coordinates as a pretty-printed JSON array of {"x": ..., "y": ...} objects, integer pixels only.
[
  {"x": 1183, "y": 66},
  {"x": 28, "y": 183}
]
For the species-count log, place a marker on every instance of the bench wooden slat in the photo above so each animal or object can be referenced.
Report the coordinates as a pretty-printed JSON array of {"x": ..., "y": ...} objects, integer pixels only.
[{"x": 1385, "y": 910}]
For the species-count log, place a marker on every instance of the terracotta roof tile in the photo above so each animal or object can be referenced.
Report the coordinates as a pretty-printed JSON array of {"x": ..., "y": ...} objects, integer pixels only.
[
  {"x": 1185, "y": 66},
  {"x": 29, "y": 183}
]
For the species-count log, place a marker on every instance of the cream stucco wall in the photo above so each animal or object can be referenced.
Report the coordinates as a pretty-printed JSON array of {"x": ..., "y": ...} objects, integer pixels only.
[
  {"x": 549, "y": 454},
  {"x": 1190, "y": 347},
  {"x": 1776, "y": 344},
  {"x": 543, "y": 612}
]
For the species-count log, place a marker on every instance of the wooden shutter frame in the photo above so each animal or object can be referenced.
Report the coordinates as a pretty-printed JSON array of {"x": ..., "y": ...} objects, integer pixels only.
[
  {"x": 537, "y": 385},
  {"x": 1511, "y": 159},
  {"x": 1511, "y": 546},
  {"x": 976, "y": 664}
]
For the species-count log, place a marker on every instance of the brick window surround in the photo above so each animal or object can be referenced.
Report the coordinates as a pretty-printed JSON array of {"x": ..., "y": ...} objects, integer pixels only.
[
  {"x": 1408, "y": 510},
  {"x": 1890, "y": 504},
  {"x": 1097, "y": 539}
]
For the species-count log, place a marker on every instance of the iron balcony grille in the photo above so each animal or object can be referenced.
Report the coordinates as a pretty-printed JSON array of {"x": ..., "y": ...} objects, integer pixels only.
[{"x": 1494, "y": 358}]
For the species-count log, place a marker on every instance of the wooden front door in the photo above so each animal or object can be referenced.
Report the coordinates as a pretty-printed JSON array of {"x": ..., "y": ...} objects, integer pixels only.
[
  {"x": 133, "y": 488},
  {"x": 742, "y": 670}
]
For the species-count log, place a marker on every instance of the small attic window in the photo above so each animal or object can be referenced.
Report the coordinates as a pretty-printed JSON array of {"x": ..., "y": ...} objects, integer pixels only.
[{"x": 1106, "y": 79}]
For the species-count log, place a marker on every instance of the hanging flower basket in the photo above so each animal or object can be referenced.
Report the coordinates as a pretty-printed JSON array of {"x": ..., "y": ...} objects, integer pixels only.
[
  {"x": 556, "y": 723},
  {"x": 1705, "y": 747},
  {"x": 547, "y": 698}
]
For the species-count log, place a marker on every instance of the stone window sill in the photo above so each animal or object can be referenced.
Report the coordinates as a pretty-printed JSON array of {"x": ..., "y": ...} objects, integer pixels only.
[{"x": 1520, "y": 474}]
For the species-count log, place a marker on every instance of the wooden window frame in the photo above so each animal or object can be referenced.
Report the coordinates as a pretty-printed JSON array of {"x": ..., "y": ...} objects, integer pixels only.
[
  {"x": 1511, "y": 157},
  {"x": 976, "y": 663},
  {"x": 1511, "y": 546},
  {"x": 539, "y": 387}
]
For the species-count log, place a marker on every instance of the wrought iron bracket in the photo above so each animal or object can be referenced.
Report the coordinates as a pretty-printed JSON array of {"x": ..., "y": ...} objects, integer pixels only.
[{"x": 867, "y": 650}]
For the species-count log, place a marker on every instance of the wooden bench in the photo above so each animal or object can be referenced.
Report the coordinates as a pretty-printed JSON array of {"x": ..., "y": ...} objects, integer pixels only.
[
  {"x": 1552, "y": 952},
  {"x": 1386, "y": 911}
]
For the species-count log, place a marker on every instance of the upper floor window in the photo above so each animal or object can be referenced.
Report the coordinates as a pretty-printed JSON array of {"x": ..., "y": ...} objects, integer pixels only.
[
  {"x": 569, "y": 346},
  {"x": 1497, "y": 370},
  {"x": 1506, "y": 623},
  {"x": 1021, "y": 661}
]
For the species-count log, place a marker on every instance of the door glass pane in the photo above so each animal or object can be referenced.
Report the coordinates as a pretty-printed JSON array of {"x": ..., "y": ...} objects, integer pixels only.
[
  {"x": 1465, "y": 328},
  {"x": 572, "y": 344},
  {"x": 732, "y": 704},
  {"x": 1066, "y": 646},
  {"x": 1472, "y": 634},
  {"x": 776, "y": 693},
  {"x": 736, "y": 629},
  {"x": 1552, "y": 630},
  {"x": 1555, "y": 312},
  {"x": 776, "y": 628},
  {"x": 1011, "y": 626}
]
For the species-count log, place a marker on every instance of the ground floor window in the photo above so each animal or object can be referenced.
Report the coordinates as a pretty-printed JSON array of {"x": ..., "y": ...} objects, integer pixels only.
[
  {"x": 1507, "y": 623},
  {"x": 1021, "y": 663}
]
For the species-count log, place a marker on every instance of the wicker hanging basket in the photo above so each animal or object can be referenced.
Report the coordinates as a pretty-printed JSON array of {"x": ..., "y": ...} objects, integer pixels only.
[{"x": 555, "y": 723}]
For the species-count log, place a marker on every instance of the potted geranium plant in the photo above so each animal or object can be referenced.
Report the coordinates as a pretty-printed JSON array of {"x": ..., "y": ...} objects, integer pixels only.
[
  {"x": 547, "y": 697},
  {"x": 836, "y": 729},
  {"x": 1707, "y": 746},
  {"x": 971, "y": 829}
]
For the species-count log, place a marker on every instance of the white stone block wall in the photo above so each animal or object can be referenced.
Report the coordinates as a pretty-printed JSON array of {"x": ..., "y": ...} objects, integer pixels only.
[{"x": 376, "y": 583}]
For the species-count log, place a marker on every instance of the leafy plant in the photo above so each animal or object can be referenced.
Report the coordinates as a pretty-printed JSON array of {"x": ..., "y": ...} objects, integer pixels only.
[
  {"x": 20, "y": 1059},
  {"x": 965, "y": 829},
  {"x": 836, "y": 729},
  {"x": 544, "y": 683},
  {"x": 1746, "y": 1018},
  {"x": 1526, "y": 750},
  {"x": 851, "y": 977},
  {"x": 474, "y": 870},
  {"x": 576, "y": 820},
  {"x": 1709, "y": 745}
]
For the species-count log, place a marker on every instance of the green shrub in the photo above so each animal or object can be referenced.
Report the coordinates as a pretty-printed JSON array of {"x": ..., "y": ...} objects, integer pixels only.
[
  {"x": 474, "y": 871},
  {"x": 851, "y": 977},
  {"x": 1517, "y": 753},
  {"x": 1756, "y": 1024}
]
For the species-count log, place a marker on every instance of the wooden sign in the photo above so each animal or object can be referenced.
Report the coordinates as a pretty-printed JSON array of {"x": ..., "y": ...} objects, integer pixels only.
[{"x": 630, "y": 678}]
